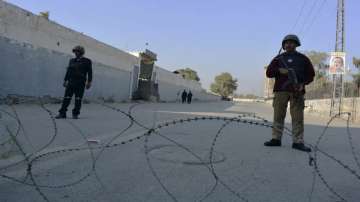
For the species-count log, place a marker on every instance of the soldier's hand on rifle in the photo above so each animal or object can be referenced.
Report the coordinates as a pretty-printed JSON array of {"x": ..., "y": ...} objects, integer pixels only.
[
  {"x": 88, "y": 85},
  {"x": 302, "y": 87},
  {"x": 283, "y": 71},
  {"x": 65, "y": 84},
  {"x": 299, "y": 87}
]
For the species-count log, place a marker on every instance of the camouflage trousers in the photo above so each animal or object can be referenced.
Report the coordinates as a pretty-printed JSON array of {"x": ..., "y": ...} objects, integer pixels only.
[{"x": 297, "y": 105}]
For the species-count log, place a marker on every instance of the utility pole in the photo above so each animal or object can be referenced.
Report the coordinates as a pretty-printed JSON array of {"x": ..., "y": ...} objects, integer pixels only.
[{"x": 338, "y": 83}]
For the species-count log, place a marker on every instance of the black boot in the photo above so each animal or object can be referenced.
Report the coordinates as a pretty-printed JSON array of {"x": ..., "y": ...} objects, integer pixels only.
[
  {"x": 301, "y": 147},
  {"x": 61, "y": 116},
  {"x": 75, "y": 116},
  {"x": 273, "y": 143}
]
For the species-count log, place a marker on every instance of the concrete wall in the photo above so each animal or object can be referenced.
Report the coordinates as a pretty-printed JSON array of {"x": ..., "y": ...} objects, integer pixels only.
[
  {"x": 30, "y": 71},
  {"x": 34, "y": 53},
  {"x": 321, "y": 107},
  {"x": 23, "y": 26},
  {"x": 248, "y": 100}
]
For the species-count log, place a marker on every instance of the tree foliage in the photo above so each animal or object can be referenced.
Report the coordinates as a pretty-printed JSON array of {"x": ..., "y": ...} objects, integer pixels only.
[
  {"x": 356, "y": 62},
  {"x": 318, "y": 59},
  {"x": 224, "y": 84},
  {"x": 356, "y": 78},
  {"x": 188, "y": 73},
  {"x": 321, "y": 87}
]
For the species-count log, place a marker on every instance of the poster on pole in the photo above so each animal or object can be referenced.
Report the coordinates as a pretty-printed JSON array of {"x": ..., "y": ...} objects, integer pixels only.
[{"x": 337, "y": 63}]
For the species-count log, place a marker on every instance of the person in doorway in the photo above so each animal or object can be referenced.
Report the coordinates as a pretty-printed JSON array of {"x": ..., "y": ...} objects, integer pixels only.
[
  {"x": 189, "y": 97},
  {"x": 183, "y": 96},
  {"x": 78, "y": 77},
  {"x": 177, "y": 96},
  {"x": 292, "y": 71}
]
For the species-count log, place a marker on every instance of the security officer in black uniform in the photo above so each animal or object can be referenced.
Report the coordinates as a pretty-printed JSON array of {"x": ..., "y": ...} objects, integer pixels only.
[
  {"x": 183, "y": 96},
  {"x": 189, "y": 97},
  {"x": 78, "y": 77}
]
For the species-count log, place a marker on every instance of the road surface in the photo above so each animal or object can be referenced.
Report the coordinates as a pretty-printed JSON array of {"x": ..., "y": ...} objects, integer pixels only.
[{"x": 108, "y": 155}]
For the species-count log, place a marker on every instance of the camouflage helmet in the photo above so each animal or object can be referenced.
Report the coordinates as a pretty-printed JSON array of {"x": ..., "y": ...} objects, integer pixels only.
[
  {"x": 291, "y": 37},
  {"x": 79, "y": 48}
]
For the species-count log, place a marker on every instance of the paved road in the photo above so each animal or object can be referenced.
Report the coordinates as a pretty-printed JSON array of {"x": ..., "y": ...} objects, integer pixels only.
[{"x": 174, "y": 163}]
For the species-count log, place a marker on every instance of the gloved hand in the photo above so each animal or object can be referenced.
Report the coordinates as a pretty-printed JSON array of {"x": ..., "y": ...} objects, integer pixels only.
[
  {"x": 65, "y": 84},
  {"x": 283, "y": 71},
  {"x": 299, "y": 87}
]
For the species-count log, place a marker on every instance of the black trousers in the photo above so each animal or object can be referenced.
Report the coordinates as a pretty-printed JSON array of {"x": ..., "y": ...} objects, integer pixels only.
[
  {"x": 189, "y": 100},
  {"x": 183, "y": 99},
  {"x": 77, "y": 89}
]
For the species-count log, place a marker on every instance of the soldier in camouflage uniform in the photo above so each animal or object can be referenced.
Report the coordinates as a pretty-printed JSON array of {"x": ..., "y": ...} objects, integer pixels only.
[{"x": 292, "y": 71}]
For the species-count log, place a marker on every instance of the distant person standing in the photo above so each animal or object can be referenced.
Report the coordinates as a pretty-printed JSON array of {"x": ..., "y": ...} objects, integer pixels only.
[
  {"x": 183, "y": 96},
  {"x": 78, "y": 77},
  {"x": 189, "y": 97}
]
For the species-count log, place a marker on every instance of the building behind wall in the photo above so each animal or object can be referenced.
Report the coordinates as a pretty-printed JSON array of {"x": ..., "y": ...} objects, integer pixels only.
[
  {"x": 268, "y": 86},
  {"x": 147, "y": 88}
]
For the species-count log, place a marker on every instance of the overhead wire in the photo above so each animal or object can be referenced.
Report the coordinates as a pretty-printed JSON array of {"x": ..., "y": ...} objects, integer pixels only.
[
  {"x": 314, "y": 17},
  {"x": 307, "y": 17},
  {"x": 298, "y": 17}
]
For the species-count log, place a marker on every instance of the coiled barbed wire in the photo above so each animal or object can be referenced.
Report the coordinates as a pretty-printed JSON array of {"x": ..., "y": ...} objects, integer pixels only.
[{"x": 250, "y": 119}]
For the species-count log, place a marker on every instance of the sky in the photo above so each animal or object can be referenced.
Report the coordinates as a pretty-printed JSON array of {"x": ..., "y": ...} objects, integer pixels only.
[{"x": 209, "y": 36}]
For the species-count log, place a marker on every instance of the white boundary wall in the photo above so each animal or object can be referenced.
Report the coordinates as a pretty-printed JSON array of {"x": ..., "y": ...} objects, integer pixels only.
[{"x": 34, "y": 53}]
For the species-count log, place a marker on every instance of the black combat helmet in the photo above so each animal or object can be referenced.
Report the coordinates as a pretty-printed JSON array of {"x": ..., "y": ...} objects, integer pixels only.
[
  {"x": 80, "y": 49},
  {"x": 291, "y": 37}
]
